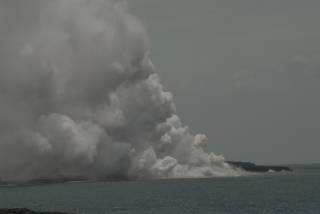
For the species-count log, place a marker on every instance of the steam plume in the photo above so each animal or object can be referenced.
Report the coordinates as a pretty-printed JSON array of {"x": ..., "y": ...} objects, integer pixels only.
[{"x": 79, "y": 97}]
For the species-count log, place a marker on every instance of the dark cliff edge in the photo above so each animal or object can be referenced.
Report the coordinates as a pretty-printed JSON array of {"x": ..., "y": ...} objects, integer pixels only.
[
  {"x": 26, "y": 211},
  {"x": 252, "y": 167}
]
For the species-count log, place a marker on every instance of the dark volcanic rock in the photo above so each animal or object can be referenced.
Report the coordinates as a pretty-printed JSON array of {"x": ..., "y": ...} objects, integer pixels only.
[
  {"x": 251, "y": 167},
  {"x": 25, "y": 211}
]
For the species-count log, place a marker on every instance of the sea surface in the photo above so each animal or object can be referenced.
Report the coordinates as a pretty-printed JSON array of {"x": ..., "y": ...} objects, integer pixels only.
[{"x": 270, "y": 193}]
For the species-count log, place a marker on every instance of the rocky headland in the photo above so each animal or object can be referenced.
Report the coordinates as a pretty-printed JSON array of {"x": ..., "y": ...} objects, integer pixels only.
[{"x": 252, "y": 167}]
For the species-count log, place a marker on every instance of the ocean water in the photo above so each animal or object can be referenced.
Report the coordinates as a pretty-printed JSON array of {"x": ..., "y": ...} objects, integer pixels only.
[{"x": 271, "y": 193}]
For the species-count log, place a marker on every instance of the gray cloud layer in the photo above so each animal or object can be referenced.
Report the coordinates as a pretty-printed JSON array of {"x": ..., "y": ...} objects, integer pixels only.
[{"x": 79, "y": 97}]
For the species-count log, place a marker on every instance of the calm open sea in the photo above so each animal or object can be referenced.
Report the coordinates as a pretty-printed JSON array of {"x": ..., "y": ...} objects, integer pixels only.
[{"x": 297, "y": 192}]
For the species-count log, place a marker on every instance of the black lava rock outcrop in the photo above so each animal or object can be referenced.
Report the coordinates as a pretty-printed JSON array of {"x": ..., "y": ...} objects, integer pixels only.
[
  {"x": 25, "y": 211},
  {"x": 252, "y": 167}
]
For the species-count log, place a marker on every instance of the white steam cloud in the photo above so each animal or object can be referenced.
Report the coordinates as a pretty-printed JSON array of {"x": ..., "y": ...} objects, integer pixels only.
[{"x": 79, "y": 98}]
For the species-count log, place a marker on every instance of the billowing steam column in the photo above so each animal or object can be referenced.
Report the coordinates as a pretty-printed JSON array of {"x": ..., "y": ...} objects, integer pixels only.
[{"x": 80, "y": 98}]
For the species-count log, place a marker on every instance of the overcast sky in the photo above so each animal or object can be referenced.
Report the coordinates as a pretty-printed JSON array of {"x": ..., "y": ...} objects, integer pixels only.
[{"x": 246, "y": 73}]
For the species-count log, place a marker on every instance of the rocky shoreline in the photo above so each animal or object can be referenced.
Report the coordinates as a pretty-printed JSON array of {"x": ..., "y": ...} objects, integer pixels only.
[
  {"x": 25, "y": 211},
  {"x": 252, "y": 167},
  {"x": 246, "y": 166}
]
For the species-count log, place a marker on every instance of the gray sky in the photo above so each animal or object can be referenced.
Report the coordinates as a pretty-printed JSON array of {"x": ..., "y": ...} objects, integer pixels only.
[{"x": 246, "y": 73}]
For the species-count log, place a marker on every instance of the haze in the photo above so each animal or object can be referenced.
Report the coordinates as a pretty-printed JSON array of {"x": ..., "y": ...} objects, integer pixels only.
[{"x": 245, "y": 73}]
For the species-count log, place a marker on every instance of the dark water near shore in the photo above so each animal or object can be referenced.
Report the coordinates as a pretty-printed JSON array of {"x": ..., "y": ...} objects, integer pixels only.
[{"x": 272, "y": 193}]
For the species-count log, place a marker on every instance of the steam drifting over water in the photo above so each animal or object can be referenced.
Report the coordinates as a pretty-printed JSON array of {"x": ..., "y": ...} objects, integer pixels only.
[{"x": 79, "y": 97}]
